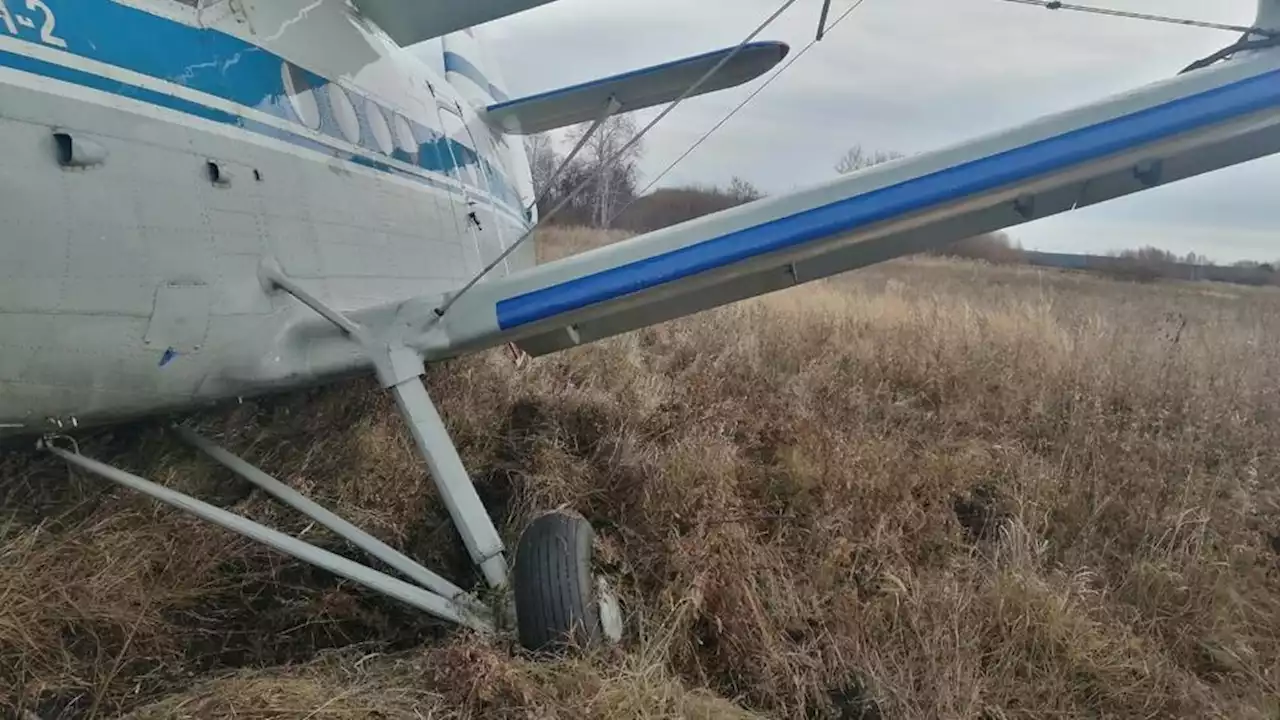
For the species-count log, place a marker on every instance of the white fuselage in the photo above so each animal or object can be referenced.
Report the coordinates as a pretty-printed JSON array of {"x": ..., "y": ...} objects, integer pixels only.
[{"x": 215, "y": 138}]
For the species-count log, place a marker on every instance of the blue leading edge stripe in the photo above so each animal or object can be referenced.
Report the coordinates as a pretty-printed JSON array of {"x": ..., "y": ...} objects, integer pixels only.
[{"x": 1039, "y": 158}]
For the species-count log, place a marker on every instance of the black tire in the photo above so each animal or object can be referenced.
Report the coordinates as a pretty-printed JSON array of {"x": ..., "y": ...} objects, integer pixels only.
[{"x": 556, "y": 606}]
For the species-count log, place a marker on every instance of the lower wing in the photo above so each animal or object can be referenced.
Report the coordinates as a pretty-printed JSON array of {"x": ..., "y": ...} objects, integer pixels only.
[{"x": 1179, "y": 128}]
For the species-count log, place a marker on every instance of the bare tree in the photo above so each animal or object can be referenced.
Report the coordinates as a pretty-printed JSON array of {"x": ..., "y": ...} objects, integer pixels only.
[
  {"x": 543, "y": 160},
  {"x": 742, "y": 191},
  {"x": 605, "y": 189},
  {"x": 856, "y": 158},
  {"x": 615, "y": 183}
]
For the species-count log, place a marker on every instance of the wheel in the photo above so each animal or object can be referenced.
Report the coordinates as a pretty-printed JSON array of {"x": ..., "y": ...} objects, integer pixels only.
[{"x": 558, "y": 600}]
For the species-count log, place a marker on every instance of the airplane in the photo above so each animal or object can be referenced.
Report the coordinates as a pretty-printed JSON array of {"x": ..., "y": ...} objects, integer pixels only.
[{"x": 206, "y": 200}]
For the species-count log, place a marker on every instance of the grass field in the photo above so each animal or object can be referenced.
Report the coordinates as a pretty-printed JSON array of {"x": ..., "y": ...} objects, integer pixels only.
[{"x": 931, "y": 489}]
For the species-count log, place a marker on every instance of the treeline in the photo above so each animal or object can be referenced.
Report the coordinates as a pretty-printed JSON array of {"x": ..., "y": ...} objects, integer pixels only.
[
  {"x": 671, "y": 206},
  {"x": 1151, "y": 264},
  {"x": 606, "y": 170},
  {"x": 608, "y": 198}
]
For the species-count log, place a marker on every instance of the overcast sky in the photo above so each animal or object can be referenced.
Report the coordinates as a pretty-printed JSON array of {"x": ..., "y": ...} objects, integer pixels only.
[{"x": 909, "y": 75}]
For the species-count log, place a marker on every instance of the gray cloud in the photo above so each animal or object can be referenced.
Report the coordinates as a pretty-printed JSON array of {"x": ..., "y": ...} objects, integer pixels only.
[{"x": 908, "y": 75}]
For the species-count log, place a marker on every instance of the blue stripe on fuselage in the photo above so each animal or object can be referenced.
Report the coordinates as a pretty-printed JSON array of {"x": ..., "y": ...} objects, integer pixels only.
[
  {"x": 86, "y": 79},
  {"x": 939, "y": 188},
  {"x": 206, "y": 60},
  {"x": 79, "y": 77},
  {"x": 453, "y": 62},
  {"x": 223, "y": 66}
]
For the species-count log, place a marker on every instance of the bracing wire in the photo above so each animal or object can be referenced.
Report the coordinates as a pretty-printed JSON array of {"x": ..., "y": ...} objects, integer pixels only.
[
  {"x": 1244, "y": 44},
  {"x": 1253, "y": 38},
  {"x": 613, "y": 159},
  {"x": 1050, "y": 4},
  {"x": 1056, "y": 5},
  {"x": 745, "y": 101}
]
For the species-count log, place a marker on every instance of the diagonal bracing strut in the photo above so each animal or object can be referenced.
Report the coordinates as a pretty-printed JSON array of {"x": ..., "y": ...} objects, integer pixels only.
[
  {"x": 467, "y": 612},
  {"x": 400, "y": 370}
]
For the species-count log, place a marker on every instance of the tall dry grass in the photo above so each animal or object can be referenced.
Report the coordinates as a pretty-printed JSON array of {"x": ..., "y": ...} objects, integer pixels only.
[{"x": 929, "y": 489}]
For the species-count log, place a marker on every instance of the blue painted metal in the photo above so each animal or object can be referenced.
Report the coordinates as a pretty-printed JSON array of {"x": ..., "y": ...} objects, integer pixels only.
[
  {"x": 79, "y": 77},
  {"x": 453, "y": 62},
  {"x": 231, "y": 69}
]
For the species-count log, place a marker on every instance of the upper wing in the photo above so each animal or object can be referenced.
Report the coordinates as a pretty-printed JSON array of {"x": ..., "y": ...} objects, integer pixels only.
[
  {"x": 634, "y": 90},
  {"x": 1176, "y": 129},
  {"x": 411, "y": 21}
]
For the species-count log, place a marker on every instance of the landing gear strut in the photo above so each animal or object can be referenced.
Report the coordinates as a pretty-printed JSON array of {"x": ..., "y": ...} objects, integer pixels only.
[{"x": 556, "y": 600}]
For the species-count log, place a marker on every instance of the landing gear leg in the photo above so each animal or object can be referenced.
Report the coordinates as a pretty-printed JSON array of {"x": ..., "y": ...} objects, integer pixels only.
[
  {"x": 401, "y": 374},
  {"x": 559, "y": 601},
  {"x": 400, "y": 370}
]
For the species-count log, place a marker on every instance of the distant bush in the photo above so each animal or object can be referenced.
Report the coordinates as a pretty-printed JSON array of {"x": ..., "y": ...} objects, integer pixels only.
[
  {"x": 996, "y": 248},
  {"x": 672, "y": 206},
  {"x": 858, "y": 158},
  {"x": 1134, "y": 266},
  {"x": 1153, "y": 264},
  {"x": 1249, "y": 272},
  {"x": 1150, "y": 264}
]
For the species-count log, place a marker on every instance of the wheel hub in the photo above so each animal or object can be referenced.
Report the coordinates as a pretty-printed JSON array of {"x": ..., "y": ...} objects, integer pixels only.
[{"x": 610, "y": 611}]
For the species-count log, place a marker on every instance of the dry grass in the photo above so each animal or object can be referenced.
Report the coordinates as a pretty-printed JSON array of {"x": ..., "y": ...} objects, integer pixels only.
[
  {"x": 930, "y": 489},
  {"x": 562, "y": 242}
]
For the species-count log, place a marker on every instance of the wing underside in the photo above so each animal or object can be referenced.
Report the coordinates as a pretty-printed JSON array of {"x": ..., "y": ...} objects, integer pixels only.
[
  {"x": 411, "y": 21},
  {"x": 635, "y": 90}
]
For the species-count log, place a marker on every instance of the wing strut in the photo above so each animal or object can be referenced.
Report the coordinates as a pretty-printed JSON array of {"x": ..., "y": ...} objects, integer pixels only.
[
  {"x": 822, "y": 19},
  {"x": 611, "y": 108}
]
